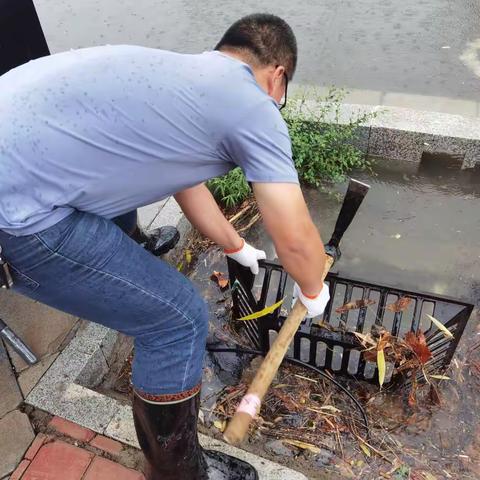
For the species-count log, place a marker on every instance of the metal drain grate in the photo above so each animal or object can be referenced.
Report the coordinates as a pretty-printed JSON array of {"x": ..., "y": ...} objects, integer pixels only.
[{"x": 339, "y": 351}]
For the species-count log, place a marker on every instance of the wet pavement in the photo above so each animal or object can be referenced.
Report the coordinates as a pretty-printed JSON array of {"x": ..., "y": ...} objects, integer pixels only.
[{"x": 417, "y": 53}]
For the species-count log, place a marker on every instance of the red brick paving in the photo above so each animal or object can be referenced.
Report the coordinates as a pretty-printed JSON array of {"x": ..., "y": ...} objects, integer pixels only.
[
  {"x": 51, "y": 459},
  {"x": 104, "y": 469},
  {"x": 106, "y": 444},
  {"x": 19, "y": 471},
  {"x": 40, "y": 439},
  {"x": 59, "y": 461},
  {"x": 71, "y": 429}
]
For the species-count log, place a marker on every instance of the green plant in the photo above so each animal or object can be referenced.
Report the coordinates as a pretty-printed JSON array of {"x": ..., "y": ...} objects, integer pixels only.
[
  {"x": 402, "y": 473},
  {"x": 323, "y": 145},
  {"x": 230, "y": 189}
]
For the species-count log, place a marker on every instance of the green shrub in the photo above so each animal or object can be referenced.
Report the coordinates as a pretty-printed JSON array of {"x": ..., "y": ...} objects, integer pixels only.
[
  {"x": 231, "y": 189},
  {"x": 323, "y": 147}
]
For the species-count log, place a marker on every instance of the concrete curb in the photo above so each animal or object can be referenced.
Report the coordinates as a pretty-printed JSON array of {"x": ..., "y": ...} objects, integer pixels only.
[
  {"x": 405, "y": 134},
  {"x": 66, "y": 388}
]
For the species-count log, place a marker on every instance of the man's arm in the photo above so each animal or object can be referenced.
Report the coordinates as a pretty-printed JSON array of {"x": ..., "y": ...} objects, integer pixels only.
[
  {"x": 297, "y": 240},
  {"x": 201, "y": 209}
]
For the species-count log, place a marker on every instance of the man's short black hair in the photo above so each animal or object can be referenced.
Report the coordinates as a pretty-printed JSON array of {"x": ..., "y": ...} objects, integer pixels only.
[{"x": 267, "y": 38}]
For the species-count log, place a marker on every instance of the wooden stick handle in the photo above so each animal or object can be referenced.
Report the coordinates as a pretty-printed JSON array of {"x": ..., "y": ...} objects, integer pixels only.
[{"x": 250, "y": 405}]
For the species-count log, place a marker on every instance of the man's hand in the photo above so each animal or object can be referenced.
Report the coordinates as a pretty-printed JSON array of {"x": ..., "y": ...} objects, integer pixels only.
[
  {"x": 247, "y": 256},
  {"x": 315, "y": 305}
]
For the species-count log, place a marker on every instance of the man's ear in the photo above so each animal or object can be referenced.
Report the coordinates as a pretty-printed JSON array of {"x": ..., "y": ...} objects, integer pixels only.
[
  {"x": 275, "y": 78},
  {"x": 279, "y": 73}
]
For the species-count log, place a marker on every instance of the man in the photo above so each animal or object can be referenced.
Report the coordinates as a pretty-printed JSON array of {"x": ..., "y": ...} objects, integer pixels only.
[
  {"x": 90, "y": 135},
  {"x": 22, "y": 40}
]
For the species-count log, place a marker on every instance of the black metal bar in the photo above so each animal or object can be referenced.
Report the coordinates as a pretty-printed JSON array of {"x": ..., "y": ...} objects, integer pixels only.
[
  {"x": 21, "y": 36},
  {"x": 331, "y": 288},
  {"x": 416, "y": 315},
  {"x": 381, "y": 307},
  {"x": 363, "y": 311},
  {"x": 346, "y": 299}
]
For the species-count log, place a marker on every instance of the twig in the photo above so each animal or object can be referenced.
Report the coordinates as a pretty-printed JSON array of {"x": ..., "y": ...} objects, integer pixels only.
[
  {"x": 339, "y": 440},
  {"x": 240, "y": 213},
  {"x": 378, "y": 452},
  {"x": 306, "y": 378},
  {"x": 316, "y": 410},
  {"x": 254, "y": 220}
]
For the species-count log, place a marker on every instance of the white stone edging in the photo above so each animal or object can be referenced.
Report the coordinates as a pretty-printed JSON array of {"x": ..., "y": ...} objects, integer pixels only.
[{"x": 404, "y": 134}]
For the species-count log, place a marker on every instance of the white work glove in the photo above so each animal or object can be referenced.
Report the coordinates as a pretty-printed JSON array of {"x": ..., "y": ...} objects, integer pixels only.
[
  {"x": 247, "y": 256},
  {"x": 315, "y": 306}
]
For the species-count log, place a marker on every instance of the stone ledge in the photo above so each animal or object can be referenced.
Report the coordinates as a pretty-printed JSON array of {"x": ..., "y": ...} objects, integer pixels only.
[{"x": 404, "y": 134}]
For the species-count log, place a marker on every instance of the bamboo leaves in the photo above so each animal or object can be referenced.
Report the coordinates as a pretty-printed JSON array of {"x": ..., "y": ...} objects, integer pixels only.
[{"x": 263, "y": 312}]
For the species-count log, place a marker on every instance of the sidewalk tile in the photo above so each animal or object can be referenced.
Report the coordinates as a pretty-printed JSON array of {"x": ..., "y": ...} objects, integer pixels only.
[
  {"x": 20, "y": 470},
  {"x": 11, "y": 395},
  {"x": 71, "y": 429},
  {"x": 59, "y": 461},
  {"x": 40, "y": 439},
  {"x": 16, "y": 435},
  {"x": 26, "y": 318},
  {"x": 107, "y": 444},
  {"x": 104, "y": 469}
]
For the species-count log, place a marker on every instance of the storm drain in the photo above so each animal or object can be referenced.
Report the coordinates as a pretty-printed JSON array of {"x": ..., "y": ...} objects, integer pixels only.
[{"x": 333, "y": 345}]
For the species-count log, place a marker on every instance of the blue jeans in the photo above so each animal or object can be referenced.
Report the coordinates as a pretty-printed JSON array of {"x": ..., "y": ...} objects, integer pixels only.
[{"x": 87, "y": 266}]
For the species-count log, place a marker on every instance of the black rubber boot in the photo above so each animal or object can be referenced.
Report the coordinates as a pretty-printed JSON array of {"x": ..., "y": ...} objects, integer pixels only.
[
  {"x": 167, "y": 433},
  {"x": 158, "y": 241}
]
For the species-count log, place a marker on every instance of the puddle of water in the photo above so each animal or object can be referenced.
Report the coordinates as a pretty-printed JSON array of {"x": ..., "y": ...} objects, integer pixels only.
[{"x": 418, "y": 230}]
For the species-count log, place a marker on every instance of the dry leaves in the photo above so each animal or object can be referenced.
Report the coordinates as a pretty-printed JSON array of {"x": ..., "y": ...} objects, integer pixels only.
[
  {"x": 446, "y": 332},
  {"x": 287, "y": 400},
  {"x": 407, "y": 356},
  {"x": 412, "y": 396},
  {"x": 419, "y": 346},
  {"x": 434, "y": 395},
  {"x": 440, "y": 377},
  {"x": 422, "y": 475},
  {"x": 400, "y": 305},
  {"x": 355, "y": 305},
  {"x": 365, "y": 449},
  {"x": 220, "y": 279},
  {"x": 381, "y": 367},
  {"x": 220, "y": 424},
  {"x": 302, "y": 445}
]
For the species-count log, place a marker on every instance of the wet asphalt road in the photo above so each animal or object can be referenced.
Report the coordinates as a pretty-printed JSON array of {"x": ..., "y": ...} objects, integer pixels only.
[{"x": 408, "y": 46}]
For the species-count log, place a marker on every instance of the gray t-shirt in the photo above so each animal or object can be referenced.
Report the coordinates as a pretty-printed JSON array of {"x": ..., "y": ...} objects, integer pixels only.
[{"x": 110, "y": 129}]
